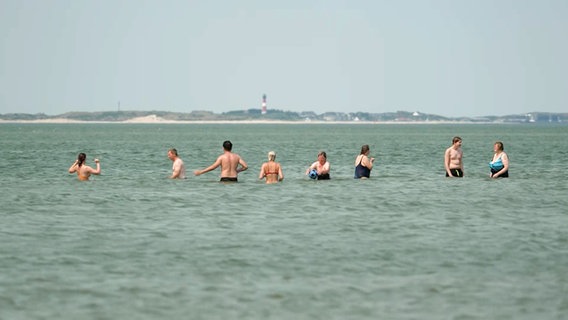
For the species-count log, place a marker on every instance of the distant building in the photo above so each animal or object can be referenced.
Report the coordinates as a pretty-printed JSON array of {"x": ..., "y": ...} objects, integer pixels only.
[{"x": 263, "y": 104}]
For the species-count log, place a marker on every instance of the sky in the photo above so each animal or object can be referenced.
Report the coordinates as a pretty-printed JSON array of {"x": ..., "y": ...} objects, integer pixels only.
[{"x": 445, "y": 57}]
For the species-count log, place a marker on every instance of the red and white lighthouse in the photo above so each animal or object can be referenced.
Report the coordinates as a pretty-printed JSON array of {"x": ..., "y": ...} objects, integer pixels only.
[{"x": 263, "y": 104}]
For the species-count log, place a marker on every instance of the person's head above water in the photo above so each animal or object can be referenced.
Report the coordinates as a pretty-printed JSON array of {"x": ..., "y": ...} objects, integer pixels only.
[
  {"x": 499, "y": 146},
  {"x": 227, "y": 145},
  {"x": 81, "y": 159}
]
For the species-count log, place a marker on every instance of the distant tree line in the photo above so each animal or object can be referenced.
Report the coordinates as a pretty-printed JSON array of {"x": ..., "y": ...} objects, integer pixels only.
[{"x": 274, "y": 114}]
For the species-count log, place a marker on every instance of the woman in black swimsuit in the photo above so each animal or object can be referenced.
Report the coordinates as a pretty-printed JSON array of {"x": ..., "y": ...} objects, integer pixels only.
[{"x": 363, "y": 164}]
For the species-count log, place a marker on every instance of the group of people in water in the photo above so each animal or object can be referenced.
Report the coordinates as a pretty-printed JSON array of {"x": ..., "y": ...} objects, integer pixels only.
[
  {"x": 499, "y": 164},
  {"x": 271, "y": 171}
]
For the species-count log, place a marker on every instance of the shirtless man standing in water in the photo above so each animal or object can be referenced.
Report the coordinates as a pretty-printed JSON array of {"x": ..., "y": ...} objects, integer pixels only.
[
  {"x": 83, "y": 170},
  {"x": 178, "y": 168},
  {"x": 229, "y": 163},
  {"x": 453, "y": 159}
]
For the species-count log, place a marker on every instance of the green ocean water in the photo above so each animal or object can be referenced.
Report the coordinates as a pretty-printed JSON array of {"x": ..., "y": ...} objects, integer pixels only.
[{"x": 406, "y": 244}]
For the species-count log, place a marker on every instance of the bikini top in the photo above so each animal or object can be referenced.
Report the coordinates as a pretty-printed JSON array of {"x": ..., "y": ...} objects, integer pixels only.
[{"x": 270, "y": 172}]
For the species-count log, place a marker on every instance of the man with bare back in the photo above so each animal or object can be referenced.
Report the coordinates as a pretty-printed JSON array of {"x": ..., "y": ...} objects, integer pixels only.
[{"x": 229, "y": 163}]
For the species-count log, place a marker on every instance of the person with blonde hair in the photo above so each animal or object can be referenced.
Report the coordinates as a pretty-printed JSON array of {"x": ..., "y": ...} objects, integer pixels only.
[{"x": 271, "y": 170}]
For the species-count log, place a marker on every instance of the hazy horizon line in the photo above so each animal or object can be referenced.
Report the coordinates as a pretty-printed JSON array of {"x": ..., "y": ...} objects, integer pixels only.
[{"x": 282, "y": 110}]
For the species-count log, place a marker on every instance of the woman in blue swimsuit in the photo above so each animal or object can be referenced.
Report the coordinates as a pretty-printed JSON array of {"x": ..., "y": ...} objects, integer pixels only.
[
  {"x": 363, "y": 164},
  {"x": 499, "y": 165}
]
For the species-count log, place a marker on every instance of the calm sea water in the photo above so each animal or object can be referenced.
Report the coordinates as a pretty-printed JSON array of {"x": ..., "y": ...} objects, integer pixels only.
[{"x": 405, "y": 244}]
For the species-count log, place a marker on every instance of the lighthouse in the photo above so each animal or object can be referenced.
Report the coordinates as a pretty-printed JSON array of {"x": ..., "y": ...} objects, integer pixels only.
[{"x": 263, "y": 104}]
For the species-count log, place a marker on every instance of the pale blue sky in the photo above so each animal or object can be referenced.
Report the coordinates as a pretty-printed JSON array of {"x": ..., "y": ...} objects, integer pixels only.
[{"x": 446, "y": 57}]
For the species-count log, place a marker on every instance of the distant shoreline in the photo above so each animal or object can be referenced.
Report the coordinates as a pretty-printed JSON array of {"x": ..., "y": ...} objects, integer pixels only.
[
  {"x": 299, "y": 122},
  {"x": 152, "y": 119},
  {"x": 255, "y": 116}
]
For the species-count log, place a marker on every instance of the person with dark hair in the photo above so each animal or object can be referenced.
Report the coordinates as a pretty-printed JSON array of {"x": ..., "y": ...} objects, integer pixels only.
[
  {"x": 363, "y": 164},
  {"x": 453, "y": 159},
  {"x": 499, "y": 165},
  {"x": 321, "y": 166},
  {"x": 178, "y": 168},
  {"x": 83, "y": 170},
  {"x": 271, "y": 170},
  {"x": 229, "y": 163}
]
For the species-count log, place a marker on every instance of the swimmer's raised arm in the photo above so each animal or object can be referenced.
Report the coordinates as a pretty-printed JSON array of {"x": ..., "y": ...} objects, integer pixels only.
[
  {"x": 98, "y": 169},
  {"x": 73, "y": 167}
]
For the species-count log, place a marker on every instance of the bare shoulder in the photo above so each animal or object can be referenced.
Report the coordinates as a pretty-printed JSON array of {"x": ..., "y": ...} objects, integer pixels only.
[{"x": 237, "y": 158}]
